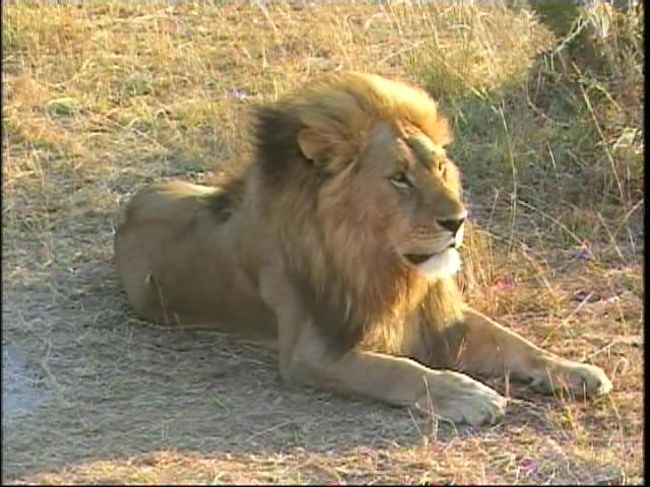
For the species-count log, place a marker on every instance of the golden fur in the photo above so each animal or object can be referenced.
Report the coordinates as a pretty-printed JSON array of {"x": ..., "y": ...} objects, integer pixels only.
[{"x": 340, "y": 241}]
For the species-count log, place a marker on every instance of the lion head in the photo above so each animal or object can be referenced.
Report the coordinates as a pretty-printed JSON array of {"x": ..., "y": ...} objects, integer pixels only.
[{"x": 363, "y": 195}]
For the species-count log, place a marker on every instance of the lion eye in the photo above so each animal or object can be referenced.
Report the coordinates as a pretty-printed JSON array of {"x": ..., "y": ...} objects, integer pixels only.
[
  {"x": 400, "y": 181},
  {"x": 442, "y": 167}
]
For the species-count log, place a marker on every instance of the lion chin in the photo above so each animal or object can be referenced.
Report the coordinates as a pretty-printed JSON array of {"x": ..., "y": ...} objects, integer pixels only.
[{"x": 440, "y": 265}]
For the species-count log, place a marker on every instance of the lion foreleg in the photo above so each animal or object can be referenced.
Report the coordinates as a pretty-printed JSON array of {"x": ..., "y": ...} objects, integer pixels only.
[
  {"x": 489, "y": 349},
  {"x": 394, "y": 380},
  {"x": 306, "y": 357}
]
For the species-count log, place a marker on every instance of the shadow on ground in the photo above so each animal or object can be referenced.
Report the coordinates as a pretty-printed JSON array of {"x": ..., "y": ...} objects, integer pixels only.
[{"x": 98, "y": 384}]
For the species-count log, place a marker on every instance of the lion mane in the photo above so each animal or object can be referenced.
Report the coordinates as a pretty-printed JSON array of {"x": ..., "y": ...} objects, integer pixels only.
[{"x": 356, "y": 288}]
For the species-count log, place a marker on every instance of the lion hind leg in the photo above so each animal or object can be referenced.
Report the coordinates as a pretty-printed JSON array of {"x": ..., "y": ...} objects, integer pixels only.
[{"x": 145, "y": 293}]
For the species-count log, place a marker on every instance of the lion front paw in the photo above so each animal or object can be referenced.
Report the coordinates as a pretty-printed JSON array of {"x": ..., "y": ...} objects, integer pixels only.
[
  {"x": 461, "y": 399},
  {"x": 575, "y": 378}
]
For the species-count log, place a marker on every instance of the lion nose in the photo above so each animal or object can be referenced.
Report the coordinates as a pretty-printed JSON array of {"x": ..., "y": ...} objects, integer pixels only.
[{"x": 452, "y": 224}]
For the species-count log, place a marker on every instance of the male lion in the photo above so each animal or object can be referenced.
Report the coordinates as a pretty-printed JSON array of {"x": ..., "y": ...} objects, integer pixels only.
[{"x": 341, "y": 241}]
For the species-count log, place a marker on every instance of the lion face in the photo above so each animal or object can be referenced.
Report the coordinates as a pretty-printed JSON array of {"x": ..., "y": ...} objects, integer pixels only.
[
  {"x": 367, "y": 154},
  {"x": 410, "y": 189}
]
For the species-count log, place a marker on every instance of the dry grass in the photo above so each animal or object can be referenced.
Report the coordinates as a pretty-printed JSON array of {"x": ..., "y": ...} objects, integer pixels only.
[{"x": 100, "y": 100}]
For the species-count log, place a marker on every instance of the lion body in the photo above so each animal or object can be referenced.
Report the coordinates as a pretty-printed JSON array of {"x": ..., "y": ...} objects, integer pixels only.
[
  {"x": 339, "y": 242},
  {"x": 184, "y": 263}
]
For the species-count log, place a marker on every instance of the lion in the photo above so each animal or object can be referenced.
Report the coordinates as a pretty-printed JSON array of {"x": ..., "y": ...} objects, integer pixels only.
[{"x": 339, "y": 242}]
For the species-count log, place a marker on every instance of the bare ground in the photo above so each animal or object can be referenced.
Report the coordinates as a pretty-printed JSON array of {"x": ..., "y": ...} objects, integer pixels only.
[{"x": 93, "y": 395}]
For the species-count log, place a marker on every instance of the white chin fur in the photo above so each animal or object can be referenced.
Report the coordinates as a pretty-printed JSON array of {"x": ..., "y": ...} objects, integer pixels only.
[{"x": 444, "y": 264}]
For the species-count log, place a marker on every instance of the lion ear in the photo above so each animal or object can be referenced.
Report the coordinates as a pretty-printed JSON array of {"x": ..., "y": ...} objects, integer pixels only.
[{"x": 311, "y": 144}]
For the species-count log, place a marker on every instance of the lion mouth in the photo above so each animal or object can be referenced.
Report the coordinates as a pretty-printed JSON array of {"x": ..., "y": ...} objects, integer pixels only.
[
  {"x": 435, "y": 265},
  {"x": 417, "y": 259}
]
